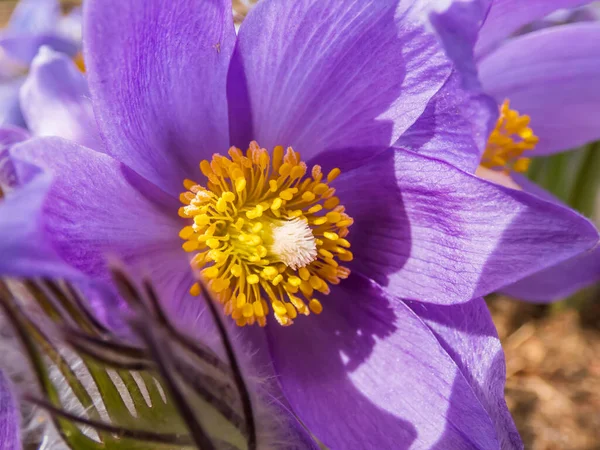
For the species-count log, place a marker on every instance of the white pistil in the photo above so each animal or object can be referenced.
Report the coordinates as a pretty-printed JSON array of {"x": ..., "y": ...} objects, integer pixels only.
[{"x": 293, "y": 243}]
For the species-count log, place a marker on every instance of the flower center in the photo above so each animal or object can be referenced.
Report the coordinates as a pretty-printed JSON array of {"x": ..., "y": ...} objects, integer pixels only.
[
  {"x": 511, "y": 137},
  {"x": 264, "y": 233},
  {"x": 293, "y": 243}
]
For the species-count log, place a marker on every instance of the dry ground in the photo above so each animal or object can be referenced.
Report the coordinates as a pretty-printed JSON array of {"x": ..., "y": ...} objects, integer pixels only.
[{"x": 553, "y": 372}]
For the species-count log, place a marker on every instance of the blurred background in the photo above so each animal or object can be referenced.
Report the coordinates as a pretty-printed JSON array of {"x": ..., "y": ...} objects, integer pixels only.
[
  {"x": 552, "y": 351},
  {"x": 7, "y": 6}
]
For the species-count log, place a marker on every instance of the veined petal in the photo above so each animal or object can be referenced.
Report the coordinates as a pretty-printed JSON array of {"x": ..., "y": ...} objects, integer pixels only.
[
  {"x": 551, "y": 75},
  {"x": 10, "y": 422},
  {"x": 507, "y": 16},
  {"x": 24, "y": 249},
  {"x": 430, "y": 232},
  {"x": 457, "y": 121},
  {"x": 96, "y": 208},
  {"x": 369, "y": 373},
  {"x": 466, "y": 331},
  {"x": 457, "y": 25},
  {"x": 55, "y": 100},
  {"x": 454, "y": 127},
  {"x": 157, "y": 75},
  {"x": 332, "y": 75},
  {"x": 561, "y": 280}
]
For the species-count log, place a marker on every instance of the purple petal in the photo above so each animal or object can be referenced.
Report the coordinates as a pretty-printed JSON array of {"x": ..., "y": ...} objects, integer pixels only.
[
  {"x": 561, "y": 280},
  {"x": 253, "y": 354},
  {"x": 97, "y": 208},
  {"x": 457, "y": 122},
  {"x": 55, "y": 100},
  {"x": 368, "y": 373},
  {"x": 292, "y": 434},
  {"x": 454, "y": 127},
  {"x": 553, "y": 76},
  {"x": 586, "y": 13},
  {"x": 34, "y": 16},
  {"x": 431, "y": 232},
  {"x": 330, "y": 75},
  {"x": 458, "y": 29},
  {"x": 9, "y": 136},
  {"x": 523, "y": 183},
  {"x": 467, "y": 333},
  {"x": 507, "y": 16},
  {"x": 33, "y": 24},
  {"x": 157, "y": 75},
  {"x": 10, "y": 418},
  {"x": 10, "y": 108},
  {"x": 24, "y": 48},
  {"x": 24, "y": 250}
]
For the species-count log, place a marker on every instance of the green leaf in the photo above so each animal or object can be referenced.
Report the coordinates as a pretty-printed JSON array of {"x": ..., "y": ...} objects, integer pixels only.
[
  {"x": 586, "y": 189},
  {"x": 181, "y": 394},
  {"x": 573, "y": 177}
]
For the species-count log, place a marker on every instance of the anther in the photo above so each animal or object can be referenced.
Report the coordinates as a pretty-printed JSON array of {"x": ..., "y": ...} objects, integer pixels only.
[{"x": 507, "y": 142}]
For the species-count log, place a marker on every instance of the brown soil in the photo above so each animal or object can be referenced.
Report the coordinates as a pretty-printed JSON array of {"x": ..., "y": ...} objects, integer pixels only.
[{"x": 553, "y": 372}]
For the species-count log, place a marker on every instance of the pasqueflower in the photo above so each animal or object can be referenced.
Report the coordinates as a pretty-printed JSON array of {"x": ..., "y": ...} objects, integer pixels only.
[
  {"x": 267, "y": 157},
  {"x": 545, "y": 86},
  {"x": 551, "y": 77},
  {"x": 54, "y": 101}
]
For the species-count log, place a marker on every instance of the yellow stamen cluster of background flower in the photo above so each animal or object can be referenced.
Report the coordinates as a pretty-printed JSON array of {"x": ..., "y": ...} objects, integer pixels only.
[
  {"x": 233, "y": 218},
  {"x": 79, "y": 62},
  {"x": 511, "y": 137}
]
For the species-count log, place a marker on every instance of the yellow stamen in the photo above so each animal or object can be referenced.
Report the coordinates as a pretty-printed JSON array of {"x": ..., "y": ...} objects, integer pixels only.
[
  {"x": 78, "y": 60},
  {"x": 511, "y": 137},
  {"x": 265, "y": 232}
]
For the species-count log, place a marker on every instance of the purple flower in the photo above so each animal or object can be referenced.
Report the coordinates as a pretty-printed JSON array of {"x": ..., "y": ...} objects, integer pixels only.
[
  {"x": 402, "y": 353},
  {"x": 552, "y": 76},
  {"x": 34, "y": 24},
  {"x": 545, "y": 85},
  {"x": 55, "y": 100}
]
